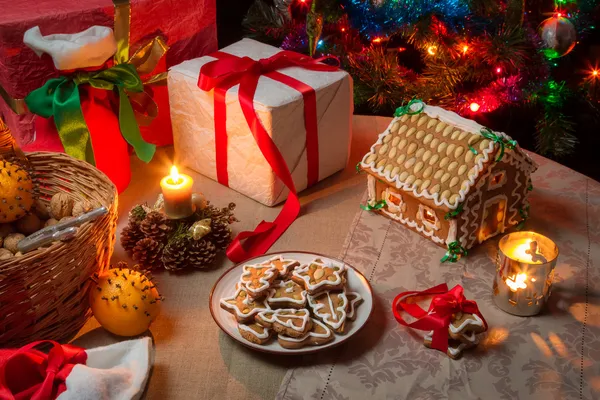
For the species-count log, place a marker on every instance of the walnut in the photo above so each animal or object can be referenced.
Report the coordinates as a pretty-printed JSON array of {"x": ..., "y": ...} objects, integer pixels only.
[
  {"x": 50, "y": 222},
  {"x": 5, "y": 254},
  {"x": 61, "y": 206},
  {"x": 12, "y": 240},
  {"x": 41, "y": 209},
  {"x": 29, "y": 224},
  {"x": 82, "y": 207}
]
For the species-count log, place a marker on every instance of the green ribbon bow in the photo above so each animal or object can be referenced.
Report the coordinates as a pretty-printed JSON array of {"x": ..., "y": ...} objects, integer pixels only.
[
  {"x": 454, "y": 253},
  {"x": 380, "y": 204},
  {"x": 59, "y": 98},
  {"x": 494, "y": 137},
  {"x": 454, "y": 213},
  {"x": 524, "y": 213},
  {"x": 407, "y": 110},
  {"x": 358, "y": 168}
]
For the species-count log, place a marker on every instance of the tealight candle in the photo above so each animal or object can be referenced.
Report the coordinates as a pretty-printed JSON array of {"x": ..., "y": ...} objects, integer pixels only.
[
  {"x": 177, "y": 193},
  {"x": 524, "y": 272}
]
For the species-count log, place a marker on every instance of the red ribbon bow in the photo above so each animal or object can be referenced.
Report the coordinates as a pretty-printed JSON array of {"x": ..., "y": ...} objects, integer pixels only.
[
  {"x": 229, "y": 70},
  {"x": 31, "y": 374},
  {"x": 439, "y": 315}
]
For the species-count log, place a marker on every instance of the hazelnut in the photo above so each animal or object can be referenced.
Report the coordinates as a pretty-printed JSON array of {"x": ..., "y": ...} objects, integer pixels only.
[
  {"x": 61, "y": 206},
  {"x": 29, "y": 224},
  {"x": 12, "y": 240},
  {"x": 5, "y": 254}
]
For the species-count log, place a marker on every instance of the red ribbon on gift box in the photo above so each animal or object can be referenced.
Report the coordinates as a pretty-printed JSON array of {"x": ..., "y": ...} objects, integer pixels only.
[
  {"x": 437, "y": 318},
  {"x": 30, "y": 374},
  {"x": 229, "y": 70}
]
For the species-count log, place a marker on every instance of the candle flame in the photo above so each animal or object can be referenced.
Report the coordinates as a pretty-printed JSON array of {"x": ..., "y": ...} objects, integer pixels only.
[
  {"x": 518, "y": 282},
  {"x": 175, "y": 174}
]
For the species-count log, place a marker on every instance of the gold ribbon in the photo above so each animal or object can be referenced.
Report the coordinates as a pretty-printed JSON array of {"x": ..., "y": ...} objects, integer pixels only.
[{"x": 145, "y": 60}]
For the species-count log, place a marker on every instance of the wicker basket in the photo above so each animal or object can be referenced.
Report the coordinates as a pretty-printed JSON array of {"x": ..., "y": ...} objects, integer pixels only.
[{"x": 44, "y": 293}]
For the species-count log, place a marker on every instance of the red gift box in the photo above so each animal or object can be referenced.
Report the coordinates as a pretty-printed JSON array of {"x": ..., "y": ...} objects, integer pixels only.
[{"x": 188, "y": 26}]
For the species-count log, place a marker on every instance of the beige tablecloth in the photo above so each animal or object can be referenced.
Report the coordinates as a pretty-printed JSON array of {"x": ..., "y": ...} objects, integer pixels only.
[{"x": 195, "y": 360}]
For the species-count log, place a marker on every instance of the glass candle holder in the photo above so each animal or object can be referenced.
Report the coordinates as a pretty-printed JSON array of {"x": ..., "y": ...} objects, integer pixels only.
[{"x": 524, "y": 272}]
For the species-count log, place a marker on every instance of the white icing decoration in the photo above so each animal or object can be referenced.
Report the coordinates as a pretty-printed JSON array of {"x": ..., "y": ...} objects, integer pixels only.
[
  {"x": 286, "y": 264},
  {"x": 352, "y": 309},
  {"x": 371, "y": 182},
  {"x": 225, "y": 301},
  {"x": 264, "y": 280},
  {"x": 454, "y": 351},
  {"x": 501, "y": 225},
  {"x": 306, "y": 278},
  {"x": 292, "y": 314},
  {"x": 264, "y": 335},
  {"x": 435, "y": 226},
  {"x": 281, "y": 284},
  {"x": 396, "y": 209},
  {"x": 452, "y": 231},
  {"x": 467, "y": 321},
  {"x": 491, "y": 185},
  {"x": 448, "y": 117},
  {"x": 310, "y": 333},
  {"x": 330, "y": 319},
  {"x": 419, "y": 228}
]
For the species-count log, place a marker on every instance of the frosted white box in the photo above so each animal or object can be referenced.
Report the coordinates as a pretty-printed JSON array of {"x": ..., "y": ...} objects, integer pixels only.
[{"x": 280, "y": 108}]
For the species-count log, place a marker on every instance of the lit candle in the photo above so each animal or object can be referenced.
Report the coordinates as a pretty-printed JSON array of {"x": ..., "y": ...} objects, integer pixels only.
[
  {"x": 526, "y": 251},
  {"x": 177, "y": 193}
]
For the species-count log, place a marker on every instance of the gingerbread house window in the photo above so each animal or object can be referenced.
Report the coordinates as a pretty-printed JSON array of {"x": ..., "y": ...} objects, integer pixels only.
[
  {"x": 394, "y": 201},
  {"x": 428, "y": 217},
  {"x": 497, "y": 180}
]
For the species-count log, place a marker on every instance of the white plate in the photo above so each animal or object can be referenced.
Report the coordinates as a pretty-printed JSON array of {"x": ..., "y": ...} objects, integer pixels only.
[{"x": 225, "y": 287}]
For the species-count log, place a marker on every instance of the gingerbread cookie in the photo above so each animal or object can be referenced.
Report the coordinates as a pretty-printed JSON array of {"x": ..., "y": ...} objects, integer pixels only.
[
  {"x": 243, "y": 306},
  {"x": 284, "y": 266},
  {"x": 318, "y": 277},
  {"x": 318, "y": 335},
  {"x": 257, "y": 279},
  {"x": 465, "y": 325},
  {"x": 288, "y": 321},
  {"x": 455, "y": 346},
  {"x": 286, "y": 294},
  {"x": 330, "y": 307},
  {"x": 255, "y": 333},
  {"x": 354, "y": 299}
]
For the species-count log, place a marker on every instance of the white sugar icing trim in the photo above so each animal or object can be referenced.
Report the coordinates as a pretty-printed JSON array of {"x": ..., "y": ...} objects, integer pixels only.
[
  {"x": 461, "y": 123},
  {"x": 435, "y": 226},
  {"x": 264, "y": 280},
  {"x": 264, "y": 335},
  {"x": 328, "y": 333},
  {"x": 419, "y": 228},
  {"x": 292, "y": 314},
  {"x": 281, "y": 284},
  {"x": 454, "y": 351},
  {"x": 468, "y": 321},
  {"x": 353, "y": 301},
  {"x": 396, "y": 209},
  {"x": 287, "y": 263},
  {"x": 372, "y": 189},
  {"x": 502, "y": 226},
  {"x": 234, "y": 307},
  {"x": 452, "y": 229},
  {"x": 331, "y": 318},
  {"x": 306, "y": 278}
]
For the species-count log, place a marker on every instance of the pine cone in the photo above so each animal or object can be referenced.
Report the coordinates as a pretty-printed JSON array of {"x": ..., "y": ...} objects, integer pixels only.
[
  {"x": 185, "y": 252},
  {"x": 130, "y": 235},
  {"x": 156, "y": 226},
  {"x": 137, "y": 215},
  {"x": 220, "y": 234},
  {"x": 224, "y": 214},
  {"x": 148, "y": 253}
]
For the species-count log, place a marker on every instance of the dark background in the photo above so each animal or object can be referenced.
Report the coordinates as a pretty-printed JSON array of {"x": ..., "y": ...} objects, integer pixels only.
[{"x": 515, "y": 121}]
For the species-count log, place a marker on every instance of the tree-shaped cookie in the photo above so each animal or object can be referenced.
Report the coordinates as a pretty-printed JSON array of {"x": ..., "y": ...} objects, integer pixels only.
[
  {"x": 243, "y": 306},
  {"x": 354, "y": 299},
  {"x": 288, "y": 321},
  {"x": 318, "y": 276},
  {"x": 255, "y": 333},
  {"x": 330, "y": 307},
  {"x": 286, "y": 294},
  {"x": 257, "y": 279},
  {"x": 318, "y": 335}
]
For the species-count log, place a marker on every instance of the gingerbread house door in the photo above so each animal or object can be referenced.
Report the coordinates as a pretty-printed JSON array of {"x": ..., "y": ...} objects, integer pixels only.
[{"x": 493, "y": 218}]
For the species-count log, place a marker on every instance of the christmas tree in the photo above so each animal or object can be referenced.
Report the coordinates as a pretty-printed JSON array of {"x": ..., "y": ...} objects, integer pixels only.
[{"x": 474, "y": 57}]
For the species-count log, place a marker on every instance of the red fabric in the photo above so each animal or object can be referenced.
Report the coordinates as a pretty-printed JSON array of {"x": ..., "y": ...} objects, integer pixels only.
[
  {"x": 229, "y": 70},
  {"x": 27, "y": 373},
  {"x": 437, "y": 318},
  {"x": 189, "y": 26}
]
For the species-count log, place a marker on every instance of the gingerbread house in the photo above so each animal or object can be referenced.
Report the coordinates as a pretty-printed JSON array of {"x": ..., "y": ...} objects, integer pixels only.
[{"x": 446, "y": 177}]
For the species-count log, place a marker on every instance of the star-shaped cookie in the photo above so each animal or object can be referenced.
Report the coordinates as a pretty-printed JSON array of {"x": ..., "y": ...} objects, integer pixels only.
[
  {"x": 257, "y": 279},
  {"x": 286, "y": 294},
  {"x": 318, "y": 276},
  {"x": 284, "y": 265},
  {"x": 242, "y": 306}
]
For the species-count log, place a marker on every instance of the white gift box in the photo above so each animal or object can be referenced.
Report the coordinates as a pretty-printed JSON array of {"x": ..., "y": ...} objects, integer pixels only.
[{"x": 280, "y": 109}]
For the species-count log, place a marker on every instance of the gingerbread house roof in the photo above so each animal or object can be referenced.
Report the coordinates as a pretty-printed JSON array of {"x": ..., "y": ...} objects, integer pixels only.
[{"x": 432, "y": 155}]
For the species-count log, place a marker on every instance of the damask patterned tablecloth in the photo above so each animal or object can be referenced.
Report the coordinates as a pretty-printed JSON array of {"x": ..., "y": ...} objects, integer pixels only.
[{"x": 555, "y": 355}]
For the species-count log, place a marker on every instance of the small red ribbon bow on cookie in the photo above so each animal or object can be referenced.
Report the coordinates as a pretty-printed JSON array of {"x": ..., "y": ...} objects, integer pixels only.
[
  {"x": 31, "y": 374},
  {"x": 445, "y": 304}
]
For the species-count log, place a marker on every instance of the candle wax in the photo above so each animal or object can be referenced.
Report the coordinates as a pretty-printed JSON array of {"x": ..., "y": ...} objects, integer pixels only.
[
  {"x": 522, "y": 253},
  {"x": 177, "y": 193}
]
